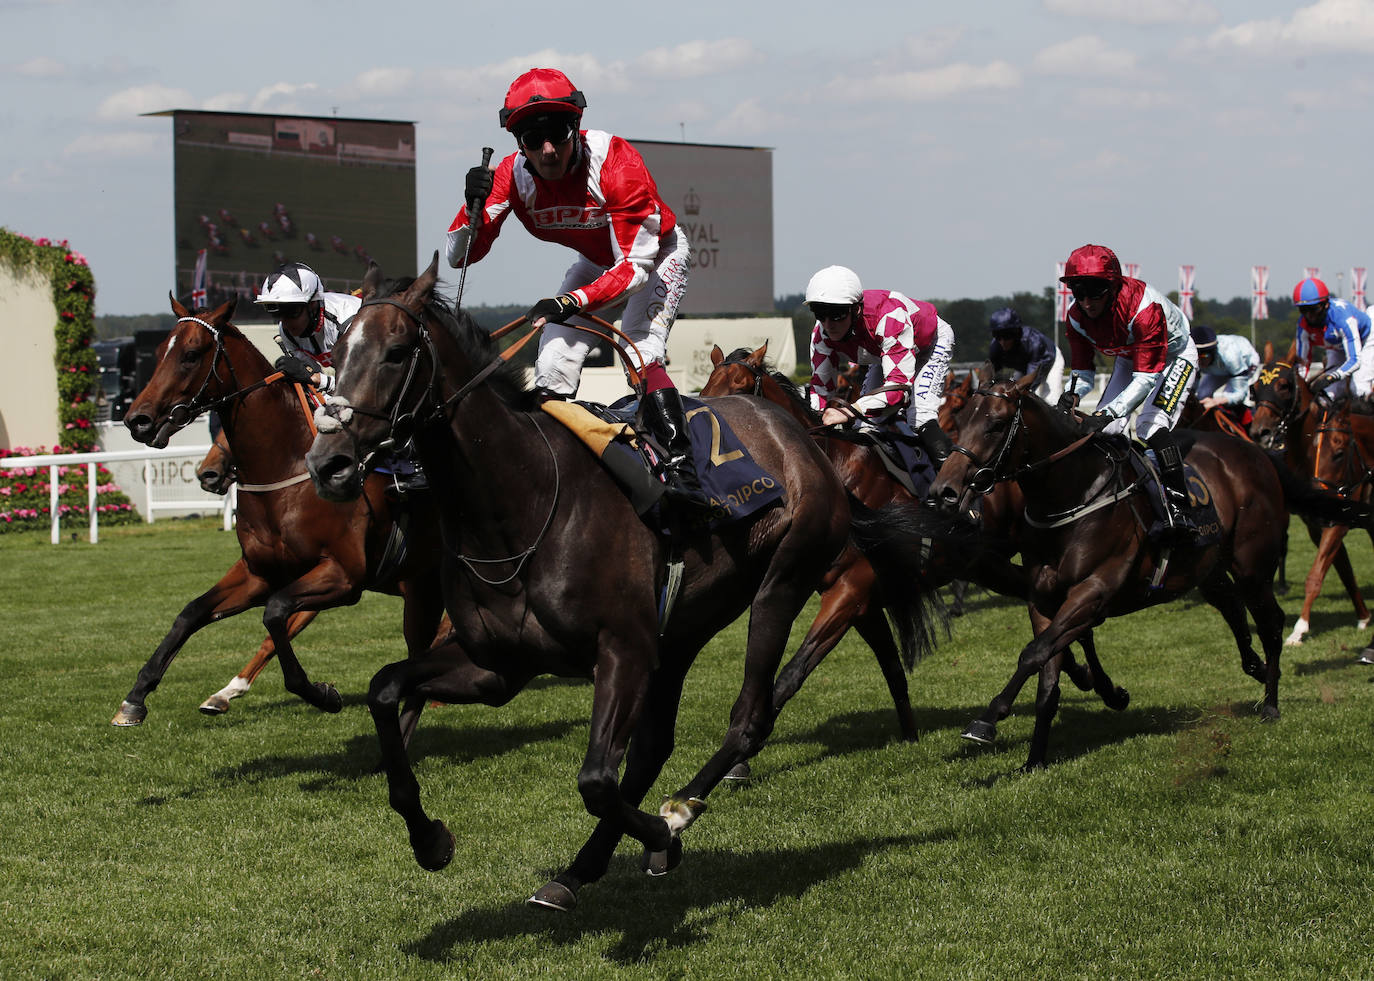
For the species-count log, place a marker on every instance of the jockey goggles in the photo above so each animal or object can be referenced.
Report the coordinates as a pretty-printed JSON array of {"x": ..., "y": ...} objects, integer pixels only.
[
  {"x": 1089, "y": 289},
  {"x": 828, "y": 313},
  {"x": 555, "y": 128},
  {"x": 286, "y": 311}
]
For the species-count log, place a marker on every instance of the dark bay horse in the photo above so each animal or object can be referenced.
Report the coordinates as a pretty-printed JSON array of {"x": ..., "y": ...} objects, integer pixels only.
[
  {"x": 1287, "y": 419},
  {"x": 1085, "y": 544},
  {"x": 547, "y": 569},
  {"x": 868, "y": 479},
  {"x": 301, "y": 554}
]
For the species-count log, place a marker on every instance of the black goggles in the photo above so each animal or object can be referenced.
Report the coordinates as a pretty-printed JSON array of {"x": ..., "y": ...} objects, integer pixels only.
[
  {"x": 546, "y": 130},
  {"x": 827, "y": 313},
  {"x": 285, "y": 311},
  {"x": 1090, "y": 289}
]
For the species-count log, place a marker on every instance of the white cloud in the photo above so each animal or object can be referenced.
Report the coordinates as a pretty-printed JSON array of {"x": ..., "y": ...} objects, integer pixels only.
[
  {"x": 141, "y": 99},
  {"x": 384, "y": 82},
  {"x": 1087, "y": 54},
  {"x": 1129, "y": 100},
  {"x": 1328, "y": 25},
  {"x": 1138, "y": 12},
  {"x": 279, "y": 97},
  {"x": 930, "y": 85},
  {"x": 694, "y": 59},
  {"x": 748, "y": 119},
  {"x": 934, "y": 44},
  {"x": 39, "y": 67},
  {"x": 225, "y": 102},
  {"x": 123, "y": 143}
]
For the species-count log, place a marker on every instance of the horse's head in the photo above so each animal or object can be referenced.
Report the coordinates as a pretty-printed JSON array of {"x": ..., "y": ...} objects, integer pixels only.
[
  {"x": 216, "y": 471},
  {"x": 993, "y": 440},
  {"x": 194, "y": 372},
  {"x": 956, "y": 398},
  {"x": 1281, "y": 396},
  {"x": 1339, "y": 461},
  {"x": 742, "y": 371}
]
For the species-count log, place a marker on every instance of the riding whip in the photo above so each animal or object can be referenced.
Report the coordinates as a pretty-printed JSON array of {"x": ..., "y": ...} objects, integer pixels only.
[{"x": 474, "y": 219}]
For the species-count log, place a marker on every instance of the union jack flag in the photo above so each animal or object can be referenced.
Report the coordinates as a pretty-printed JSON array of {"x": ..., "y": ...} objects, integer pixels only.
[
  {"x": 198, "y": 293},
  {"x": 1132, "y": 270},
  {"x": 1311, "y": 272},
  {"x": 1259, "y": 292},
  {"x": 1357, "y": 280},
  {"x": 1062, "y": 294},
  {"x": 1185, "y": 290}
]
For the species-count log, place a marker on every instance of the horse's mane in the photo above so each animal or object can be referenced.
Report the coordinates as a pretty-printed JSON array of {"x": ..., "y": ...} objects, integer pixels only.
[
  {"x": 788, "y": 386},
  {"x": 508, "y": 380}
]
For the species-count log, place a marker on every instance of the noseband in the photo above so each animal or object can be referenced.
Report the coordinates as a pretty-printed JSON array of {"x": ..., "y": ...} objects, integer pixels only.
[{"x": 988, "y": 475}]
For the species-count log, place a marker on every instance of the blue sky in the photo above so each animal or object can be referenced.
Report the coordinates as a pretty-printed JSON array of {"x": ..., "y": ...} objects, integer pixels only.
[{"x": 942, "y": 150}]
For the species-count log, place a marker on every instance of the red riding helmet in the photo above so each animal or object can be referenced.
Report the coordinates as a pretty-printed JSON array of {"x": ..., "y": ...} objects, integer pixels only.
[
  {"x": 540, "y": 90},
  {"x": 1092, "y": 262},
  {"x": 1310, "y": 291}
]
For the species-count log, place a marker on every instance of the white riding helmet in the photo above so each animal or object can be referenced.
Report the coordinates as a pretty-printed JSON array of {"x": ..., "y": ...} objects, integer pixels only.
[
  {"x": 294, "y": 282},
  {"x": 837, "y": 285}
]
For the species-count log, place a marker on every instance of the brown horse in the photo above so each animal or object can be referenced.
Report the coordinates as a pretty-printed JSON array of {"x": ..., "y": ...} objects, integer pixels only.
[
  {"x": 868, "y": 479},
  {"x": 1287, "y": 419},
  {"x": 1086, "y": 548},
  {"x": 547, "y": 569},
  {"x": 301, "y": 554}
]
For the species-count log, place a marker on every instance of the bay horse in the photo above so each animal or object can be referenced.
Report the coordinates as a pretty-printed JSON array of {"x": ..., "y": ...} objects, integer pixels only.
[
  {"x": 547, "y": 569},
  {"x": 1085, "y": 545},
  {"x": 300, "y": 553},
  {"x": 1287, "y": 419},
  {"x": 868, "y": 479}
]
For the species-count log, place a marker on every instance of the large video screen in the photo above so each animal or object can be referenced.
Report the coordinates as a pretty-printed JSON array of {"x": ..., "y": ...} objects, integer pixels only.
[
  {"x": 723, "y": 199},
  {"x": 258, "y": 190}
]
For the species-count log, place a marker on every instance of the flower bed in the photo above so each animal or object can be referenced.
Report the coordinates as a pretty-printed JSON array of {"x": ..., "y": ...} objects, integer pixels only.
[{"x": 25, "y": 501}]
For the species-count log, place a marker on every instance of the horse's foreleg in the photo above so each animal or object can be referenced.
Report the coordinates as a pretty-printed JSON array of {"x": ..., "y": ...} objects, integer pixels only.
[
  {"x": 1220, "y": 590},
  {"x": 1113, "y": 696},
  {"x": 218, "y": 703},
  {"x": 325, "y": 586},
  {"x": 1258, "y": 596},
  {"x": 1046, "y": 705},
  {"x": 421, "y": 624},
  {"x": 236, "y": 591},
  {"x": 1327, "y": 546}
]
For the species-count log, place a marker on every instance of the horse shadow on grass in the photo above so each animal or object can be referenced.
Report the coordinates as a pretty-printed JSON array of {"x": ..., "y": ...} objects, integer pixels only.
[{"x": 646, "y": 917}]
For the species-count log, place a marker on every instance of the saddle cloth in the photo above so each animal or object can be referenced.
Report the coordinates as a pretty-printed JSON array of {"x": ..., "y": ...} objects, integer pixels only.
[
  {"x": 1204, "y": 510},
  {"x": 735, "y": 484}
]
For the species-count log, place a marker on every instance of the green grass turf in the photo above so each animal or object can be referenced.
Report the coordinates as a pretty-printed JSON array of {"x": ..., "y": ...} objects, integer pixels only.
[{"x": 1180, "y": 838}]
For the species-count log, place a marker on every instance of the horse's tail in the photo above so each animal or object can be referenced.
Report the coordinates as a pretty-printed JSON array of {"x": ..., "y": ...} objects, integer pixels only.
[
  {"x": 1313, "y": 502},
  {"x": 895, "y": 539}
]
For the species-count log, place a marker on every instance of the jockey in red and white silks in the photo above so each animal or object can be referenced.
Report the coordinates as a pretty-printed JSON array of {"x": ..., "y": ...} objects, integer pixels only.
[
  {"x": 904, "y": 343},
  {"x": 608, "y": 209},
  {"x": 1156, "y": 361}
]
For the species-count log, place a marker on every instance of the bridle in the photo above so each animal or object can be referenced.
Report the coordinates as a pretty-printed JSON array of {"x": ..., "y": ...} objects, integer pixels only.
[
  {"x": 1264, "y": 386},
  {"x": 1366, "y": 475},
  {"x": 181, "y": 414},
  {"x": 987, "y": 475}
]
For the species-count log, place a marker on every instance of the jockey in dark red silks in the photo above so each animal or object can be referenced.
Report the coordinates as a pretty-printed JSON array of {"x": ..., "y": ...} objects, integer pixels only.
[
  {"x": 1156, "y": 361},
  {"x": 590, "y": 191}
]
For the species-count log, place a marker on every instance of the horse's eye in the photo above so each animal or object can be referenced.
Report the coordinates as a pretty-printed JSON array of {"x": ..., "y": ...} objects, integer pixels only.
[
  {"x": 192, "y": 355},
  {"x": 396, "y": 354}
]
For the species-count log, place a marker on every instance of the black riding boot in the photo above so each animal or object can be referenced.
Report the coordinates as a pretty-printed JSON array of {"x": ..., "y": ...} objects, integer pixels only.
[
  {"x": 1175, "y": 484},
  {"x": 936, "y": 441},
  {"x": 667, "y": 423}
]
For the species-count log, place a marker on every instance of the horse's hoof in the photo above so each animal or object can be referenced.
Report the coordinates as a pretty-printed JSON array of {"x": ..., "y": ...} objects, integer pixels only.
[
  {"x": 554, "y": 895},
  {"x": 435, "y": 850},
  {"x": 740, "y": 772},
  {"x": 130, "y": 714},
  {"x": 214, "y": 705},
  {"x": 1269, "y": 713},
  {"x": 330, "y": 699},
  {"x": 661, "y": 863},
  {"x": 681, "y": 813},
  {"x": 1365, "y": 656},
  {"x": 980, "y": 732},
  {"x": 1119, "y": 700}
]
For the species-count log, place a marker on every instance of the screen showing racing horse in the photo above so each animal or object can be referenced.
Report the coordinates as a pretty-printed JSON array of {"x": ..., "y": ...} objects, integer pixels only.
[{"x": 256, "y": 190}]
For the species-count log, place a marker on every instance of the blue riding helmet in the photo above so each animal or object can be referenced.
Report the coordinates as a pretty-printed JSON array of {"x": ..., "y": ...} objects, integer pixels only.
[
  {"x": 1005, "y": 321},
  {"x": 1204, "y": 337}
]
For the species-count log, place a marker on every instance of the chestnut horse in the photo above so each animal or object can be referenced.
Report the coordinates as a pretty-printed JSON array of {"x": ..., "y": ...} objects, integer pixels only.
[
  {"x": 548, "y": 570},
  {"x": 1287, "y": 420},
  {"x": 1085, "y": 546},
  {"x": 868, "y": 479},
  {"x": 301, "y": 554}
]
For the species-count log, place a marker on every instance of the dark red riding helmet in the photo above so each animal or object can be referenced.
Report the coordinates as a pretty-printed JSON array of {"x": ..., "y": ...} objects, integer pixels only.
[
  {"x": 540, "y": 90},
  {"x": 1092, "y": 262}
]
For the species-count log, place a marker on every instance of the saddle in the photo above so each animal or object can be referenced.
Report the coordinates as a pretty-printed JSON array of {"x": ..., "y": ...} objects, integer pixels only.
[
  {"x": 1203, "y": 509},
  {"x": 899, "y": 448},
  {"x": 732, "y": 480}
]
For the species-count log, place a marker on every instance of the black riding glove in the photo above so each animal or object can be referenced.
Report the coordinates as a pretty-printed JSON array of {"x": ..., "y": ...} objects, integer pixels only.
[
  {"x": 1067, "y": 401},
  {"x": 477, "y": 187},
  {"x": 294, "y": 369},
  {"x": 1321, "y": 381},
  {"x": 555, "y": 309},
  {"x": 1098, "y": 421},
  {"x": 936, "y": 442}
]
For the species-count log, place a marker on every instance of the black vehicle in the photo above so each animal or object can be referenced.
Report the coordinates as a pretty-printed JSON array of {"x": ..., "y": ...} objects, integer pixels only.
[{"x": 117, "y": 383}]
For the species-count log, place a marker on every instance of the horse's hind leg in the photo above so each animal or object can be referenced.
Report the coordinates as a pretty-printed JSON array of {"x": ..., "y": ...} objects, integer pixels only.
[
  {"x": 236, "y": 591},
  {"x": 1258, "y": 596},
  {"x": 1113, "y": 696},
  {"x": 1046, "y": 706},
  {"x": 1221, "y": 591},
  {"x": 218, "y": 703},
  {"x": 1327, "y": 548}
]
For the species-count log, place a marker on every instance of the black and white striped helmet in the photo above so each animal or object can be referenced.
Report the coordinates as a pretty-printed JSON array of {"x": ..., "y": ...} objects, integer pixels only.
[{"x": 294, "y": 282}]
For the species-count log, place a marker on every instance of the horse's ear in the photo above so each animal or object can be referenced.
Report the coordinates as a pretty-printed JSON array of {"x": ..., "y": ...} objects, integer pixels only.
[
  {"x": 966, "y": 385},
  {"x": 1292, "y": 352},
  {"x": 1268, "y": 352},
  {"x": 177, "y": 308},
  {"x": 223, "y": 313},
  {"x": 424, "y": 283},
  {"x": 757, "y": 358},
  {"x": 1026, "y": 383},
  {"x": 717, "y": 355},
  {"x": 372, "y": 281}
]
